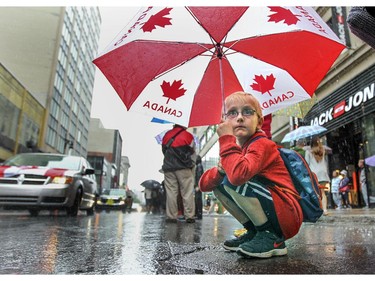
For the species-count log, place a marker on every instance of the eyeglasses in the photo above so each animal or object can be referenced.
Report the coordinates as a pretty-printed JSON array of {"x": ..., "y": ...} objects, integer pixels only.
[{"x": 246, "y": 112}]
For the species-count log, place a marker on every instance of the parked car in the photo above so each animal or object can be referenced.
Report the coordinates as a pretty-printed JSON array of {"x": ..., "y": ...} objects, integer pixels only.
[
  {"x": 37, "y": 181},
  {"x": 114, "y": 199}
]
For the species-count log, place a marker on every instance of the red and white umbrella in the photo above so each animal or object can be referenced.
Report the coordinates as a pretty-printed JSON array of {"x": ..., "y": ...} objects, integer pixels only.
[{"x": 179, "y": 63}]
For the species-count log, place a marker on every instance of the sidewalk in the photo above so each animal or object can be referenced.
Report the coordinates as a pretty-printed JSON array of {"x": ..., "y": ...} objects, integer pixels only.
[
  {"x": 335, "y": 215},
  {"x": 345, "y": 215},
  {"x": 339, "y": 243}
]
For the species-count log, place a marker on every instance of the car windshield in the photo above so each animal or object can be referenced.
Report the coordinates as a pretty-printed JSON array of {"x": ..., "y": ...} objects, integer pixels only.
[
  {"x": 105, "y": 192},
  {"x": 45, "y": 160},
  {"x": 117, "y": 192}
]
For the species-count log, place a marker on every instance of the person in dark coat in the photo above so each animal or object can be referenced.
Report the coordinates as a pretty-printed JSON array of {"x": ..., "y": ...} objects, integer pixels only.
[
  {"x": 198, "y": 193},
  {"x": 178, "y": 148}
]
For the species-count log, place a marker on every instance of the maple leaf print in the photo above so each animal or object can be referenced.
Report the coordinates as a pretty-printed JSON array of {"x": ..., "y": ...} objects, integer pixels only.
[
  {"x": 263, "y": 85},
  {"x": 158, "y": 19},
  {"x": 281, "y": 13},
  {"x": 172, "y": 91}
]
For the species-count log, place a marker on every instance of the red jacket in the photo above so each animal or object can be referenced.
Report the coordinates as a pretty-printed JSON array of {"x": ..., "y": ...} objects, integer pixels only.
[{"x": 259, "y": 158}]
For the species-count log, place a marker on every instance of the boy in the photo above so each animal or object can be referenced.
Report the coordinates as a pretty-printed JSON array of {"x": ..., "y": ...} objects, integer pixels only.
[{"x": 269, "y": 212}]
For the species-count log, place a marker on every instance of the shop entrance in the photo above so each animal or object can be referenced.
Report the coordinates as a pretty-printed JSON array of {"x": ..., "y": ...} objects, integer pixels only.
[{"x": 346, "y": 143}]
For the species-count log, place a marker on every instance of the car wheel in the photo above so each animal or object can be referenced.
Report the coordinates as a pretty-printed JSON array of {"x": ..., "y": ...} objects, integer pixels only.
[
  {"x": 73, "y": 210},
  {"x": 34, "y": 213}
]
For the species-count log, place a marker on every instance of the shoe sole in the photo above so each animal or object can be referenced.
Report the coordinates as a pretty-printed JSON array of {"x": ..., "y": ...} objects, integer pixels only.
[
  {"x": 269, "y": 254},
  {"x": 232, "y": 249}
]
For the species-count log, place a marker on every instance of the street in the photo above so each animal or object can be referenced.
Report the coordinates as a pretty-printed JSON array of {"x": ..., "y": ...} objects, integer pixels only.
[{"x": 137, "y": 243}]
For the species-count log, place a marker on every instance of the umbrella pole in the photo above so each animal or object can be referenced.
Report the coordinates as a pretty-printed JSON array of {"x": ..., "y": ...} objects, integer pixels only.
[{"x": 222, "y": 86}]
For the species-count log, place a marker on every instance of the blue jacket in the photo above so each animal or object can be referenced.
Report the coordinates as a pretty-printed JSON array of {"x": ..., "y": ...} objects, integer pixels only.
[{"x": 344, "y": 181}]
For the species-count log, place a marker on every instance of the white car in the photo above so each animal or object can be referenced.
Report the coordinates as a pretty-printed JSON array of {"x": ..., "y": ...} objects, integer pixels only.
[{"x": 37, "y": 181}]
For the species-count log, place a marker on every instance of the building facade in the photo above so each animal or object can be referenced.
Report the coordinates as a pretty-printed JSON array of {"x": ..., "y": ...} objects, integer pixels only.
[
  {"x": 124, "y": 171},
  {"x": 49, "y": 50},
  {"x": 21, "y": 117},
  {"x": 105, "y": 147},
  {"x": 348, "y": 114}
]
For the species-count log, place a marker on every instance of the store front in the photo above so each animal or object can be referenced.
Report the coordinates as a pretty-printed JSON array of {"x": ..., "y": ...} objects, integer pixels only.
[{"x": 348, "y": 114}]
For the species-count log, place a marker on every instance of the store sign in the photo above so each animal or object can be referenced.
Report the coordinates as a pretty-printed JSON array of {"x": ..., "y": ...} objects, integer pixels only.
[
  {"x": 339, "y": 24},
  {"x": 345, "y": 106}
]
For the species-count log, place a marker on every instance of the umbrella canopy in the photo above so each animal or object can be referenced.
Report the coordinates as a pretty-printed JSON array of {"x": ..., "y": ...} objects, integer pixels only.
[
  {"x": 370, "y": 161},
  {"x": 179, "y": 63},
  {"x": 303, "y": 132},
  {"x": 151, "y": 184}
]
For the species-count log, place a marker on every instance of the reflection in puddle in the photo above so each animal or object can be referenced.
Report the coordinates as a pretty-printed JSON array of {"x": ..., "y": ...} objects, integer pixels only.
[{"x": 48, "y": 260}]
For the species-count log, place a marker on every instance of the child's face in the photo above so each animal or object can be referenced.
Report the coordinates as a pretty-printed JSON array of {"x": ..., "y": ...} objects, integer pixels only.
[{"x": 243, "y": 126}]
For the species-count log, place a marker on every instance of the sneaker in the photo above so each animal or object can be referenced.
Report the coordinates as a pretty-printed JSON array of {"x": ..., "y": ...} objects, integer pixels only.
[
  {"x": 233, "y": 244},
  {"x": 190, "y": 220},
  {"x": 264, "y": 245}
]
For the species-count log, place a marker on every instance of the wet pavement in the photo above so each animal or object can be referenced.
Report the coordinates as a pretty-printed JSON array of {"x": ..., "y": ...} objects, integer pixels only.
[{"x": 139, "y": 243}]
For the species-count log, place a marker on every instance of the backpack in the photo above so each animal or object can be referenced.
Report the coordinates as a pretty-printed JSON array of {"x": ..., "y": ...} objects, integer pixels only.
[{"x": 305, "y": 182}]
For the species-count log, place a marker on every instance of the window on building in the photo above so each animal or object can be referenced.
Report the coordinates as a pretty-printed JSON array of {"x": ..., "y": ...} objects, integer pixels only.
[
  {"x": 9, "y": 115},
  {"x": 51, "y": 137},
  {"x": 55, "y": 109}
]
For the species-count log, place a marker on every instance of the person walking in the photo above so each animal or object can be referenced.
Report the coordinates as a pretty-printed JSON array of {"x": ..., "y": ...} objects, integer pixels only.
[
  {"x": 148, "y": 199},
  {"x": 270, "y": 213},
  {"x": 178, "y": 148},
  {"x": 300, "y": 147},
  {"x": 362, "y": 181},
  {"x": 317, "y": 159},
  {"x": 335, "y": 182},
  {"x": 198, "y": 193}
]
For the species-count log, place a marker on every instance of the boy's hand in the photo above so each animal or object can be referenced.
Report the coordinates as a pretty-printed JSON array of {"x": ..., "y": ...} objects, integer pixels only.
[
  {"x": 224, "y": 128},
  {"x": 220, "y": 169}
]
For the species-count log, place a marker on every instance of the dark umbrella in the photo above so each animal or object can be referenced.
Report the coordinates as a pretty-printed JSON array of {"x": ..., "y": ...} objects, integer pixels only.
[{"x": 151, "y": 184}]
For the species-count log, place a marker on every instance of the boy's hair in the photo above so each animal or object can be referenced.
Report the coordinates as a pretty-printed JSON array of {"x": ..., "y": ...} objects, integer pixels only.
[{"x": 244, "y": 97}]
